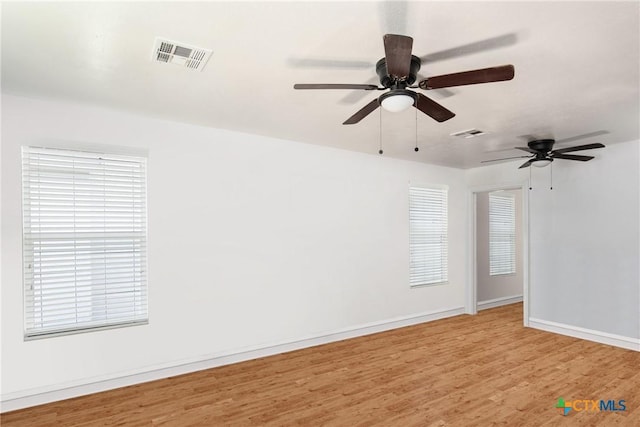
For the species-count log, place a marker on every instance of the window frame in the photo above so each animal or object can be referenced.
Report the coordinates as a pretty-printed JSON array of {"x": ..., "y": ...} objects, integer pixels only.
[
  {"x": 133, "y": 243},
  {"x": 442, "y": 270},
  {"x": 499, "y": 265}
]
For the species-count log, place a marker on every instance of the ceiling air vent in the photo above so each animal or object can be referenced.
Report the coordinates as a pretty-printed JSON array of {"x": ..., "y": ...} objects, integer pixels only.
[
  {"x": 178, "y": 53},
  {"x": 469, "y": 133}
]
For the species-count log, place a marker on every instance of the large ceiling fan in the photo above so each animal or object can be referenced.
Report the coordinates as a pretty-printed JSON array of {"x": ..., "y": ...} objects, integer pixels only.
[
  {"x": 398, "y": 72},
  {"x": 542, "y": 152}
]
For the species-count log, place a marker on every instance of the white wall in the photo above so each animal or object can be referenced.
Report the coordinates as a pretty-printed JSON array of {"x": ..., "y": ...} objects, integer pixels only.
[
  {"x": 255, "y": 241},
  {"x": 584, "y": 239},
  {"x": 252, "y": 241},
  {"x": 503, "y": 285}
]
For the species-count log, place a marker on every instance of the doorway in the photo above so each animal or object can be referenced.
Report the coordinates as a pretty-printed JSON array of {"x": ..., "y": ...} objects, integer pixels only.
[{"x": 498, "y": 250}]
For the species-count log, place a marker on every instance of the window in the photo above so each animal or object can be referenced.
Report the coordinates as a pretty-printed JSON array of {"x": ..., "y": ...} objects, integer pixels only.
[
  {"x": 84, "y": 241},
  {"x": 427, "y": 235},
  {"x": 502, "y": 233}
]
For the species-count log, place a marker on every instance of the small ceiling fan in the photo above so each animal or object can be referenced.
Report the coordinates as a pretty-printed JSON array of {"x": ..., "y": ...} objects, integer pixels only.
[
  {"x": 398, "y": 72},
  {"x": 542, "y": 152}
]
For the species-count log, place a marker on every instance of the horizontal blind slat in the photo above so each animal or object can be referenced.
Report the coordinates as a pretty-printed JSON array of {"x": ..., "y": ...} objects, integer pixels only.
[
  {"x": 502, "y": 234},
  {"x": 427, "y": 235},
  {"x": 84, "y": 222}
]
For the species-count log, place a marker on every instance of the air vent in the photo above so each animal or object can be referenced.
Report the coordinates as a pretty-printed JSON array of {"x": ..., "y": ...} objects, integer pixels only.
[
  {"x": 185, "y": 55},
  {"x": 469, "y": 133}
]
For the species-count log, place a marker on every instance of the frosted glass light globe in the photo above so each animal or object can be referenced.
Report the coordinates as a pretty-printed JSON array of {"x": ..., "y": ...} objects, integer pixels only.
[
  {"x": 397, "y": 102},
  {"x": 541, "y": 163}
]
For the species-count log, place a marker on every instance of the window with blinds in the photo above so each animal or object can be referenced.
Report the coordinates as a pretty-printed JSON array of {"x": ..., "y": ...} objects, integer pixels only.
[
  {"x": 427, "y": 235},
  {"x": 502, "y": 233},
  {"x": 84, "y": 241}
]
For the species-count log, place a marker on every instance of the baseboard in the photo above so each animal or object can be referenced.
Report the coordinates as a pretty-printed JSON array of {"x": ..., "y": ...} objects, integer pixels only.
[
  {"x": 497, "y": 302},
  {"x": 586, "y": 334},
  {"x": 42, "y": 395}
]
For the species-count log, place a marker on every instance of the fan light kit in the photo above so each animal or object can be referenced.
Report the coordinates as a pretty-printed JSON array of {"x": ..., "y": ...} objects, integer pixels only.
[
  {"x": 541, "y": 163},
  {"x": 397, "y": 100},
  {"x": 398, "y": 72}
]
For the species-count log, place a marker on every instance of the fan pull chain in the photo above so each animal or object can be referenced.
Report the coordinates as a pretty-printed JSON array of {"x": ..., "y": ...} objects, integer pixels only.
[
  {"x": 530, "y": 177},
  {"x": 380, "y": 150},
  {"x": 551, "y": 174},
  {"x": 416, "y": 149}
]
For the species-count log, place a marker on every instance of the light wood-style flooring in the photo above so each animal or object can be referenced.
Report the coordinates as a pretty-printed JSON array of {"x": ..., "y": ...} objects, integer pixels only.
[{"x": 482, "y": 370}]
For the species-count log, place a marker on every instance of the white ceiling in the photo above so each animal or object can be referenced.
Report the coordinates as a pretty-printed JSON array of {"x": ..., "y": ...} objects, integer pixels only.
[{"x": 577, "y": 68}]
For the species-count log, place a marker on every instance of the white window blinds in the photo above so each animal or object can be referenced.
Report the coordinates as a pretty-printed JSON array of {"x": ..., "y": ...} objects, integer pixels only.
[
  {"x": 427, "y": 235},
  {"x": 502, "y": 234},
  {"x": 84, "y": 240}
]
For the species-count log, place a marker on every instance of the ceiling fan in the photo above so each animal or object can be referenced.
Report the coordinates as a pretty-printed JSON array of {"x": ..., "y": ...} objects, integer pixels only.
[
  {"x": 542, "y": 152},
  {"x": 398, "y": 72}
]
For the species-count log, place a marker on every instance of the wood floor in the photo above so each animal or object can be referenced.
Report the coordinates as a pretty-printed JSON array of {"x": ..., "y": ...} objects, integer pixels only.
[{"x": 479, "y": 370}]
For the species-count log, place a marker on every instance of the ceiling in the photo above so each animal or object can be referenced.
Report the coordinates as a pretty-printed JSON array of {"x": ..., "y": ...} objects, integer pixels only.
[{"x": 576, "y": 68}]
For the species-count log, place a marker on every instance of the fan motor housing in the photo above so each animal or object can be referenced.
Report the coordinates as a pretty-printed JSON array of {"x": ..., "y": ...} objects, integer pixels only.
[
  {"x": 542, "y": 145},
  {"x": 387, "y": 81}
]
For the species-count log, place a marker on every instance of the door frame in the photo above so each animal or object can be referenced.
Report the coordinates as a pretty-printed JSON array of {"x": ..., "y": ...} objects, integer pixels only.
[{"x": 471, "y": 292}]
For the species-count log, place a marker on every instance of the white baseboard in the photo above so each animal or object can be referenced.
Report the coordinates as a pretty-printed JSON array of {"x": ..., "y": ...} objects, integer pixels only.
[
  {"x": 42, "y": 395},
  {"x": 586, "y": 334},
  {"x": 497, "y": 302}
]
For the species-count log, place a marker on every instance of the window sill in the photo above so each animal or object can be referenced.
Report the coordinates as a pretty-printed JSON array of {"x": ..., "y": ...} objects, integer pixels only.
[
  {"x": 428, "y": 285},
  {"x": 40, "y": 335},
  {"x": 502, "y": 274}
]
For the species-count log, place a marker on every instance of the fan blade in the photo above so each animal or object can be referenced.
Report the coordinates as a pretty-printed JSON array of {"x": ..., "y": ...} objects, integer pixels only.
[
  {"x": 433, "y": 109},
  {"x": 571, "y": 157},
  {"x": 397, "y": 51},
  {"x": 527, "y": 163},
  {"x": 475, "y": 47},
  {"x": 362, "y": 113},
  {"x": 577, "y": 148},
  {"x": 355, "y": 96},
  {"x": 484, "y": 75},
  {"x": 583, "y": 136},
  {"x": 438, "y": 93},
  {"x": 334, "y": 86},
  {"x": 506, "y": 158},
  {"x": 393, "y": 16},
  {"x": 527, "y": 149},
  {"x": 328, "y": 63}
]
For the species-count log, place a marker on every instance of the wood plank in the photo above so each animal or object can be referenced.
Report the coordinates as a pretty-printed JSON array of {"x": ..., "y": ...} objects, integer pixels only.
[{"x": 467, "y": 370}]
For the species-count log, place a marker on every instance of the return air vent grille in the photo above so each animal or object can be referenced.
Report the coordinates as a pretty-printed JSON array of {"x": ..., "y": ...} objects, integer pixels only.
[
  {"x": 178, "y": 53},
  {"x": 469, "y": 133}
]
